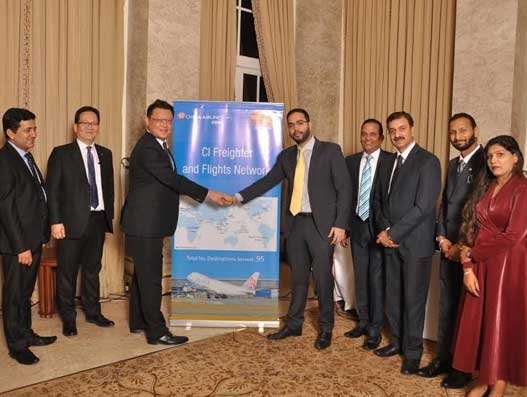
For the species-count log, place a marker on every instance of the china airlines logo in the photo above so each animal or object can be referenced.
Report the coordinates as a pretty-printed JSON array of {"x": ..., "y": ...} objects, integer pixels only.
[{"x": 181, "y": 115}]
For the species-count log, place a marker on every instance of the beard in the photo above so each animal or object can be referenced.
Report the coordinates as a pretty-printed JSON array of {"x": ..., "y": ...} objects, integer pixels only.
[
  {"x": 466, "y": 145},
  {"x": 304, "y": 137}
]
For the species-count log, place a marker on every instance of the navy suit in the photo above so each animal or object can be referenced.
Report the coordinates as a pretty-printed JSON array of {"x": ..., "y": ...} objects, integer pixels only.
[
  {"x": 366, "y": 253},
  {"x": 408, "y": 209},
  {"x": 23, "y": 226},
  {"x": 307, "y": 234}
]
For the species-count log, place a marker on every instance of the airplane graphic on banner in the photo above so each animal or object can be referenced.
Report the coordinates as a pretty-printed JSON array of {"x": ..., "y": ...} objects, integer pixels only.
[{"x": 224, "y": 287}]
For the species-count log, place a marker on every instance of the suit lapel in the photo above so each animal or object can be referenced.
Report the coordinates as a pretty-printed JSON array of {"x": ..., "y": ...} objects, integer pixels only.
[
  {"x": 453, "y": 176},
  {"x": 78, "y": 161},
  {"x": 405, "y": 168},
  {"x": 315, "y": 154},
  {"x": 19, "y": 161}
]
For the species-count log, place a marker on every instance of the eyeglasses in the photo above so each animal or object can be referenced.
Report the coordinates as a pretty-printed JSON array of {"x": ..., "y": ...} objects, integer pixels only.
[
  {"x": 299, "y": 123},
  {"x": 87, "y": 124},
  {"x": 162, "y": 121}
]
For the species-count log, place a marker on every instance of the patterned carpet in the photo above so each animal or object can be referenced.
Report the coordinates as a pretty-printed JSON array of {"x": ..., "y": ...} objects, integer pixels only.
[{"x": 247, "y": 364}]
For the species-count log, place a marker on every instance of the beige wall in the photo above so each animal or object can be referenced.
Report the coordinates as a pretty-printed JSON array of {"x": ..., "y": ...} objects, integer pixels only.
[
  {"x": 318, "y": 37},
  {"x": 484, "y": 63},
  {"x": 519, "y": 92}
]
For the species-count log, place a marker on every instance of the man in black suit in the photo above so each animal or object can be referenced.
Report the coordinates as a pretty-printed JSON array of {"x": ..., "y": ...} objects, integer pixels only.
[
  {"x": 366, "y": 253},
  {"x": 404, "y": 208},
  {"x": 80, "y": 197},
  {"x": 24, "y": 228},
  {"x": 317, "y": 219},
  {"x": 463, "y": 134},
  {"x": 150, "y": 214}
]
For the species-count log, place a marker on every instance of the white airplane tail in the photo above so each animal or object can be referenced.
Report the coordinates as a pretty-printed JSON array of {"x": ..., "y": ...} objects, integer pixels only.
[{"x": 251, "y": 282}]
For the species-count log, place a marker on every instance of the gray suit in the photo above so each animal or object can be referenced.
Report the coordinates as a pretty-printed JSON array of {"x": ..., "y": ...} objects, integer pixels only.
[
  {"x": 451, "y": 275},
  {"x": 307, "y": 234},
  {"x": 408, "y": 209}
]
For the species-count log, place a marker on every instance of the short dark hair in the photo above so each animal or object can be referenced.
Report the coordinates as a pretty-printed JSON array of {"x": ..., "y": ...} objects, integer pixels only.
[
  {"x": 298, "y": 110},
  {"x": 463, "y": 116},
  {"x": 13, "y": 117},
  {"x": 398, "y": 115},
  {"x": 83, "y": 109},
  {"x": 375, "y": 121},
  {"x": 159, "y": 104}
]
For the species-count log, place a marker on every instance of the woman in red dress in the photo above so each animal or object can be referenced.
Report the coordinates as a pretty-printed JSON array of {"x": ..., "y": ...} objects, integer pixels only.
[{"x": 492, "y": 326}]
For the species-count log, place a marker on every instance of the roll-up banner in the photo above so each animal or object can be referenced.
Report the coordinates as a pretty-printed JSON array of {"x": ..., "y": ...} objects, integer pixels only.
[{"x": 225, "y": 260}]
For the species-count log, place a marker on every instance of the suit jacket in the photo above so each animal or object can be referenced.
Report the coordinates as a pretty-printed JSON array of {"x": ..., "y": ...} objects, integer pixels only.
[
  {"x": 69, "y": 189},
  {"x": 152, "y": 206},
  {"x": 23, "y": 210},
  {"x": 360, "y": 232},
  {"x": 328, "y": 185},
  {"x": 456, "y": 193},
  {"x": 409, "y": 210}
]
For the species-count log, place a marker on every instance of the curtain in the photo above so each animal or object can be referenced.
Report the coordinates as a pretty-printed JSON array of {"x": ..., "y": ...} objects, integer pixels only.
[
  {"x": 275, "y": 33},
  {"x": 60, "y": 55},
  {"x": 398, "y": 55},
  {"x": 217, "y": 50}
]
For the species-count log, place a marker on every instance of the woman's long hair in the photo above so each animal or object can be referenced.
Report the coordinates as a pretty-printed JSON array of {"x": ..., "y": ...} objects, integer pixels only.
[{"x": 469, "y": 227}]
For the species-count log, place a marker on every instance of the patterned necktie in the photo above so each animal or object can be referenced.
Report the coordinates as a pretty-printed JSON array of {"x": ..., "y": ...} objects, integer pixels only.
[
  {"x": 398, "y": 166},
  {"x": 167, "y": 151},
  {"x": 460, "y": 165},
  {"x": 34, "y": 172},
  {"x": 364, "y": 190},
  {"x": 94, "y": 194},
  {"x": 298, "y": 184}
]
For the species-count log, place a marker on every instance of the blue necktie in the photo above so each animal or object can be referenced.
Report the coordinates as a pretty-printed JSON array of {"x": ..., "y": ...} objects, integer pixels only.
[
  {"x": 364, "y": 190},
  {"x": 94, "y": 194}
]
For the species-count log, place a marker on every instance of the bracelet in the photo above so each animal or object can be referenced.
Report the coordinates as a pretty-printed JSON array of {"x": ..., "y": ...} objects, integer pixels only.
[
  {"x": 467, "y": 271},
  {"x": 467, "y": 265}
]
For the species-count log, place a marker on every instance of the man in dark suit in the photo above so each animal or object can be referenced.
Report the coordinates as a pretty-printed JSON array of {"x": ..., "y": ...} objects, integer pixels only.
[
  {"x": 24, "y": 228},
  {"x": 80, "y": 197},
  {"x": 366, "y": 253},
  {"x": 404, "y": 208},
  {"x": 150, "y": 214},
  {"x": 463, "y": 134},
  {"x": 317, "y": 219}
]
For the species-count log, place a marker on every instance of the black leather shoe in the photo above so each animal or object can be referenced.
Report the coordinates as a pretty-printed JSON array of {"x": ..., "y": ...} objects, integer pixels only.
[
  {"x": 410, "y": 366},
  {"x": 24, "y": 356},
  {"x": 69, "y": 329},
  {"x": 100, "y": 321},
  {"x": 435, "y": 368},
  {"x": 285, "y": 332},
  {"x": 456, "y": 380},
  {"x": 387, "y": 351},
  {"x": 372, "y": 342},
  {"x": 168, "y": 339},
  {"x": 323, "y": 340},
  {"x": 356, "y": 332},
  {"x": 137, "y": 330},
  {"x": 37, "y": 340}
]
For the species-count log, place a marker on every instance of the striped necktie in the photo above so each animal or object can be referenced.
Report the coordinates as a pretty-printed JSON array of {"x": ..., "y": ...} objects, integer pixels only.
[
  {"x": 460, "y": 165},
  {"x": 298, "y": 184},
  {"x": 364, "y": 190}
]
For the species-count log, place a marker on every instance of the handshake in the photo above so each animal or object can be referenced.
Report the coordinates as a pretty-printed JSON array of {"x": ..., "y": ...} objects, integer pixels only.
[{"x": 220, "y": 198}]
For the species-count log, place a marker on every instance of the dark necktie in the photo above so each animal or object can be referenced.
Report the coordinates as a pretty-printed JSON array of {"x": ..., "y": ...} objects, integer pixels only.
[
  {"x": 460, "y": 165},
  {"x": 94, "y": 194},
  {"x": 398, "y": 166},
  {"x": 34, "y": 172},
  {"x": 167, "y": 151}
]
